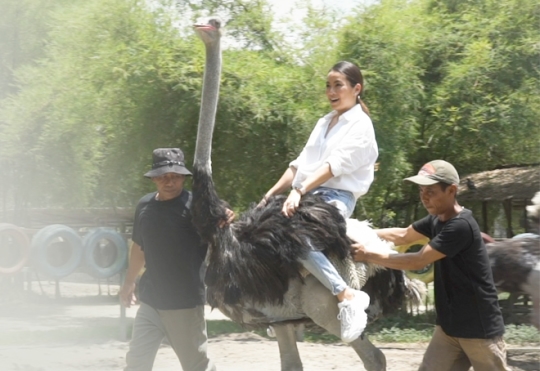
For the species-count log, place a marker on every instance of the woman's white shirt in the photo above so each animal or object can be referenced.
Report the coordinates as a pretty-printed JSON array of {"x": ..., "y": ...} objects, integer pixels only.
[{"x": 350, "y": 149}]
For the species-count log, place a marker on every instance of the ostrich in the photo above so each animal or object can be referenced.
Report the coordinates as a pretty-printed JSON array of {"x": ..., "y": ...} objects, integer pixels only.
[
  {"x": 253, "y": 273},
  {"x": 515, "y": 262}
]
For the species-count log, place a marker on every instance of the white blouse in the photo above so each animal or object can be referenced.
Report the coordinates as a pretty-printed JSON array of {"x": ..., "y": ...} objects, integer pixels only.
[{"x": 350, "y": 149}]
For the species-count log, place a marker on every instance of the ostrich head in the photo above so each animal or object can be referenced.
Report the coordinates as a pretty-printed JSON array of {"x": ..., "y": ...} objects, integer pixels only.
[{"x": 210, "y": 32}]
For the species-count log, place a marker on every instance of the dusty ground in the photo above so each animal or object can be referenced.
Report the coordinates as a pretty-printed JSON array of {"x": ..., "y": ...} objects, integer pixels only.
[{"x": 82, "y": 331}]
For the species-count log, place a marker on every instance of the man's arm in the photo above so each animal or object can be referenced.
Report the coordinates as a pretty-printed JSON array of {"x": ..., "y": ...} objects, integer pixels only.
[
  {"x": 409, "y": 261},
  {"x": 400, "y": 236},
  {"x": 136, "y": 263}
]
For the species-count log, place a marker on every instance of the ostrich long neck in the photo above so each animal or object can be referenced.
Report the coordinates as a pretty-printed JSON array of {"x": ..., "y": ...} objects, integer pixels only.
[{"x": 207, "y": 117}]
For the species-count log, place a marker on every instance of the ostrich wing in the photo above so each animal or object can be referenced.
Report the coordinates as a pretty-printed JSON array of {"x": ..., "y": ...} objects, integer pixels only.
[
  {"x": 259, "y": 254},
  {"x": 512, "y": 260}
]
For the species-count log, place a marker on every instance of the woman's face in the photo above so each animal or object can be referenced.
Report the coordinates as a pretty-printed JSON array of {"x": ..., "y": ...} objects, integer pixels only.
[{"x": 340, "y": 93}]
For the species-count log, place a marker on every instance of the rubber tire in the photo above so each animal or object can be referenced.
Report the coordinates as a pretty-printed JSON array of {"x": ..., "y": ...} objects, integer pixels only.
[
  {"x": 40, "y": 246},
  {"x": 91, "y": 243},
  {"x": 22, "y": 241},
  {"x": 426, "y": 276}
]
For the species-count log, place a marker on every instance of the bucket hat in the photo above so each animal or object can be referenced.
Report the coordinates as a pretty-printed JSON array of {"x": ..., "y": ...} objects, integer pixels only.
[{"x": 167, "y": 160}]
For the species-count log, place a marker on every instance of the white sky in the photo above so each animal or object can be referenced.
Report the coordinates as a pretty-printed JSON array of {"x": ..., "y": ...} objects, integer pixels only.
[
  {"x": 285, "y": 7},
  {"x": 287, "y": 12}
]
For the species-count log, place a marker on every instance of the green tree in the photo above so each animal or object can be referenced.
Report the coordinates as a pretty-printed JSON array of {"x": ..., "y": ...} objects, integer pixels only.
[
  {"x": 450, "y": 80},
  {"x": 384, "y": 41}
]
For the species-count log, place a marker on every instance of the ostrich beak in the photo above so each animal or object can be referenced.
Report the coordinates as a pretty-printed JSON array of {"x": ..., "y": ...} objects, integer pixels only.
[{"x": 204, "y": 27}]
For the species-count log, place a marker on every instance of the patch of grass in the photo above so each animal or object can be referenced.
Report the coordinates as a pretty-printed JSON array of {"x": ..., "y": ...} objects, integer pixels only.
[
  {"x": 407, "y": 328},
  {"x": 399, "y": 335},
  {"x": 320, "y": 337},
  {"x": 220, "y": 327},
  {"x": 403, "y": 328},
  {"x": 522, "y": 335}
]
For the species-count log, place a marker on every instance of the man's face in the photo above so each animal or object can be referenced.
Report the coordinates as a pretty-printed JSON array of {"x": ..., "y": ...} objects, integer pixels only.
[
  {"x": 435, "y": 200},
  {"x": 169, "y": 185}
]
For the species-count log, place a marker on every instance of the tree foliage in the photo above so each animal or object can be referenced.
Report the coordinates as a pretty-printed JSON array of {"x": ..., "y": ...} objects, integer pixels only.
[
  {"x": 450, "y": 80},
  {"x": 95, "y": 85}
]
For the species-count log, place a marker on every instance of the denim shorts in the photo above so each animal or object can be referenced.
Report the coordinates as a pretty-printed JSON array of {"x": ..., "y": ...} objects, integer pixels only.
[{"x": 343, "y": 200}]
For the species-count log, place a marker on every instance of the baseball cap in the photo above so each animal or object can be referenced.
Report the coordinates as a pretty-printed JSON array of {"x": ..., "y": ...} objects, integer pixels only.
[{"x": 434, "y": 172}]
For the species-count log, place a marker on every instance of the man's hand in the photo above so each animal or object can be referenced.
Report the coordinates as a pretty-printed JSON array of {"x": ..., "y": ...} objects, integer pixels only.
[
  {"x": 230, "y": 218},
  {"x": 126, "y": 295},
  {"x": 358, "y": 252}
]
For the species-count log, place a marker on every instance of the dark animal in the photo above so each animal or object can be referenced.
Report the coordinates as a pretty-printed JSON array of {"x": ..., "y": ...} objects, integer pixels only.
[{"x": 515, "y": 263}]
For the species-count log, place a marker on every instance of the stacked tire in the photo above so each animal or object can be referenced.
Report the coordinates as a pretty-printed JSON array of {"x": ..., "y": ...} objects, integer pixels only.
[
  {"x": 58, "y": 251},
  {"x": 105, "y": 252},
  {"x": 14, "y": 249}
]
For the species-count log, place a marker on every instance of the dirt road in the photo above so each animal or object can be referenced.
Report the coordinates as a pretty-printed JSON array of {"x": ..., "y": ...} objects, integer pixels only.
[{"x": 80, "y": 333}]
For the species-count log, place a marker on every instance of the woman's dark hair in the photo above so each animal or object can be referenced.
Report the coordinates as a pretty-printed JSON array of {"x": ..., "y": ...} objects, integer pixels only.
[{"x": 354, "y": 76}]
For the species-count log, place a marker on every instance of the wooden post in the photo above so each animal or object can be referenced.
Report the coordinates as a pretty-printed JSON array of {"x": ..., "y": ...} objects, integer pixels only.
[
  {"x": 485, "y": 225},
  {"x": 525, "y": 216},
  {"x": 123, "y": 322},
  {"x": 57, "y": 288},
  {"x": 507, "y": 204}
]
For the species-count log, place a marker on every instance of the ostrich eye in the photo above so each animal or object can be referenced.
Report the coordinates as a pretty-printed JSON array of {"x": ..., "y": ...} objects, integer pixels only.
[{"x": 215, "y": 22}]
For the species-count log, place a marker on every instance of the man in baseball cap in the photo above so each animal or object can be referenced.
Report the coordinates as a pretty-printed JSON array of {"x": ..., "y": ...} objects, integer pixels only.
[
  {"x": 469, "y": 321},
  {"x": 436, "y": 171}
]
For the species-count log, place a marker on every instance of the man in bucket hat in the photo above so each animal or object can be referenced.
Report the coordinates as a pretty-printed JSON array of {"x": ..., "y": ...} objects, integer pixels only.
[
  {"x": 171, "y": 290},
  {"x": 469, "y": 324}
]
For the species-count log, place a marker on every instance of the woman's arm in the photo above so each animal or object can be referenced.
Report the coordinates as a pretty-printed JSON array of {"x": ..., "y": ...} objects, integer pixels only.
[
  {"x": 320, "y": 176},
  {"x": 282, "y": 184}
]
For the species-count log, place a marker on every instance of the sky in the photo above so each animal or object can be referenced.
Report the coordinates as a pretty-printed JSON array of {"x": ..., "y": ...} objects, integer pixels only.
[
  {"x": 285, "y": 7},
  {"x": 287, "y": 11}
]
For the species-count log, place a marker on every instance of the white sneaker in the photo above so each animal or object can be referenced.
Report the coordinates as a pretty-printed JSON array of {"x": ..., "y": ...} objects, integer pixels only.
[{"x": 353, "y": 316}]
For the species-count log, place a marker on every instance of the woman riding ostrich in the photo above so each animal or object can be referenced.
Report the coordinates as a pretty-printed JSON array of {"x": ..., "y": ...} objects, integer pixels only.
[{"x": 254, "y": 269}]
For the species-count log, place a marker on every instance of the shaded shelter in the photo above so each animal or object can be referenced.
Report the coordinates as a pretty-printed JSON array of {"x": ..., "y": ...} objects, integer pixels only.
[{"x": 513, "y": 187}]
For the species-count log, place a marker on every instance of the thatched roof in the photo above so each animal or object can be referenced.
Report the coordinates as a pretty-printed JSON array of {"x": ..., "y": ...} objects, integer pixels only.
[{"x": 519, "y": 183}]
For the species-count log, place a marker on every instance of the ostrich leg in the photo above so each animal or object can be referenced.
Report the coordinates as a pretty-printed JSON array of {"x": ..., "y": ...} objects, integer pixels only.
[
  {"x": 319, "y": 305},
  {"x": 288, "y": 351},
  {"x": 373, "y": 357}
]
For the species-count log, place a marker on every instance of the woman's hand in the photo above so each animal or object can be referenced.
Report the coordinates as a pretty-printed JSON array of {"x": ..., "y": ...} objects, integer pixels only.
[
  {"x": 291, "y": 203},
  {"x": 263, "y": 202}
]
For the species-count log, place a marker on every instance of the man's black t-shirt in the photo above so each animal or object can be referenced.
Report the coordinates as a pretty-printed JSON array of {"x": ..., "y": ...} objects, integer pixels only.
[
  {"x": 465, "y": 295},
  {"x": 173, "y": 253}
]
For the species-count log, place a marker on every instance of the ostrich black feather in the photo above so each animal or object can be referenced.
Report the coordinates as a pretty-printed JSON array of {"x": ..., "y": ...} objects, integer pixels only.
[{"x": 254, "y": 258}]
